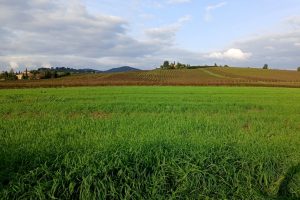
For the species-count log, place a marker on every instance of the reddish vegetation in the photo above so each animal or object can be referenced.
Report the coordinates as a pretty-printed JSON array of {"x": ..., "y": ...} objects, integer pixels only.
[{"x": 202, "y": 77}]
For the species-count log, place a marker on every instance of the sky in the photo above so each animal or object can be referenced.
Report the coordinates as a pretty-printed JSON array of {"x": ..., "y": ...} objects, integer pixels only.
[{"x": 102, "y": 34}]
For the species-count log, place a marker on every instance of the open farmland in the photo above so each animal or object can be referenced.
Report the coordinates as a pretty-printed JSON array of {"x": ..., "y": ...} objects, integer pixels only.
[
  {"x": 150, "y": 142},
  {"x": 215, "y": 76}
]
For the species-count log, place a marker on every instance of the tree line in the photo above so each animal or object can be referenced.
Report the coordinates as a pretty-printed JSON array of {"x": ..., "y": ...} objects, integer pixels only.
[
  {"x": 41, "y": 73},
  {"x": 178, "y": 65},
  {"x": 173, "y": 65}
]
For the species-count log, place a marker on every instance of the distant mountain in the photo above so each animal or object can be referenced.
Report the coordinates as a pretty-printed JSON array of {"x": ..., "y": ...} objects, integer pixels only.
[
  {"x": 68, "y": 70},
  {"x": 121, "y": 69},
  {"x": 72, "y": 70}
]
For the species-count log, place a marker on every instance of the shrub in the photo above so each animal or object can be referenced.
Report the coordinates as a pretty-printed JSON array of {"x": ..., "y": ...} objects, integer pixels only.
[{"x": 266, "y": 66}]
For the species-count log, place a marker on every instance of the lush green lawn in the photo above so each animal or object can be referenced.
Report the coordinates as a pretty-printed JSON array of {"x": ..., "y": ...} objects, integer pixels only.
[{"x": 150, "y": 143}]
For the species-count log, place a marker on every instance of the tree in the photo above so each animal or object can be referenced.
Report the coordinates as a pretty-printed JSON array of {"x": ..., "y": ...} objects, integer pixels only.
[
  {"x": 172, "y": 65},
  {"x": 10, "y": 75},
  {"x": 55, "y": 74},
  {"x": 180, "y": 65},
  {"x": 47, "y": 74},
  {"x": 266, "y": 66},
  {"x": 25, "y": 76},
  {"x": 298, "y": 69},
  {"x": 34, "y": 73},
  {"x": 166, "y": 65},
  {"x": 2, "y": 75}
]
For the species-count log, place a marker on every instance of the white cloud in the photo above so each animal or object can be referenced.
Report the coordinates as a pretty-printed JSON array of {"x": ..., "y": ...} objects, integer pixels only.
[
  {"x": 232, "y": 54},
  {"x": 209, "y": 9},
  {"x": 166, "y": 34}
]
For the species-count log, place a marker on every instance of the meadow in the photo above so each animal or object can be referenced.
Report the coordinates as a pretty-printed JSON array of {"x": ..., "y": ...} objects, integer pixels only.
[{"x": 150, "y": 143}]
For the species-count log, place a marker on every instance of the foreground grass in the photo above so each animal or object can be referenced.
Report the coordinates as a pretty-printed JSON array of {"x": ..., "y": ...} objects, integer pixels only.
[{"x": 150, "y": 143}]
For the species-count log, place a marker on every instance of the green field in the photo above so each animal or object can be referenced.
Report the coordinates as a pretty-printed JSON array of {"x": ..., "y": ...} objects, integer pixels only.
[{"x": 150, "y": 143}]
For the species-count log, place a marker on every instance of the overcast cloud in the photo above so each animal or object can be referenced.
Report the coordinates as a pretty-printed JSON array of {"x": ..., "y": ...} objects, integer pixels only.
[{"x": 42, "y": 33}]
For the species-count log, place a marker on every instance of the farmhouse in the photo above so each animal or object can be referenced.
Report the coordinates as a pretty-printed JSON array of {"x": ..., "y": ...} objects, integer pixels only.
[
  {"x": 19, "y": 76},
  {"x": 24, "y": 75}
]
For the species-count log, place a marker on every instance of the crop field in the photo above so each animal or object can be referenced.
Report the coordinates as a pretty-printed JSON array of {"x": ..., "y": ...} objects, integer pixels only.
[
  {"x": 150, "y": 142},
  {"x": 213, "y": 76}
]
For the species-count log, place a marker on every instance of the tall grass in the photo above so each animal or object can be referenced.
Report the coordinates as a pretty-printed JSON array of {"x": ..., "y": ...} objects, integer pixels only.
[{"x": 150, "y": 143}]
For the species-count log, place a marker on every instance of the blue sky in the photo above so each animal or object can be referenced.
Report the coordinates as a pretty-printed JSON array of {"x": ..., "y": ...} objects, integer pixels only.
[
  {"x": 206, "y": 30},
  {"x": 143, "y": 33}
]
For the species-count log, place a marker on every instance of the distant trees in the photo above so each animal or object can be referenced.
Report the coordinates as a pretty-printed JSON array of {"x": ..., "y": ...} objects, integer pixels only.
[
  {"x": 25, "y": 75},
  {"x": 50, "y": 74},
  {"x": 41, "y": 73},
  {"x": 173, "y": 65},
  {"x": 8, "y": 75},
  {"x": 266, "y": 66},
  {"x": 166, "y": 65},
  {"x": 298, "y": 69},
  {"x": 178, "y": 65}
]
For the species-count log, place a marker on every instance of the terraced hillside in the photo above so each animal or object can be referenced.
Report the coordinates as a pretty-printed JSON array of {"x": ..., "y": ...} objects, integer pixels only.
[{"x": 205, "y": 76}]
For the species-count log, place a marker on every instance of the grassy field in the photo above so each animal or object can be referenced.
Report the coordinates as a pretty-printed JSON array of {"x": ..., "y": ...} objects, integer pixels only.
[
  {"x": 150, "y": 143},
  {"x": 213, "y": 76}
]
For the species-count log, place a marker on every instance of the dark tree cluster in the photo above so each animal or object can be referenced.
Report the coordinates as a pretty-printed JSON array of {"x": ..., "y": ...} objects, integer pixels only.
[
  {"x": 174, "y": 65},
  {"x": 8, "y": 75},
  {"x": 266, "y": 66},
  {"x": 51, "y": 73},
  {"x": 41, "y": 73}
]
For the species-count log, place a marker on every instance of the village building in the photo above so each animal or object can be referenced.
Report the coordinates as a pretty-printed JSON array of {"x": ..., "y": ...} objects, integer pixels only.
[
  {"x": 19, "y": 76},
  {"x": 24, "y": 74}
]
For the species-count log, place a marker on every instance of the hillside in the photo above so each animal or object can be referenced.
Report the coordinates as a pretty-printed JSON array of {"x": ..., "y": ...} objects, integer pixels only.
[
  {"x": 205, "y": 76},
  {"x": 88, "y": 70},
  {"x": 121, "y": 69}
]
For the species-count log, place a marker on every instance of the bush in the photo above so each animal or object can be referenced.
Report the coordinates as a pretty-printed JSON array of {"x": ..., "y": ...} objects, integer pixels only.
[{"x": 266, "y": 66}]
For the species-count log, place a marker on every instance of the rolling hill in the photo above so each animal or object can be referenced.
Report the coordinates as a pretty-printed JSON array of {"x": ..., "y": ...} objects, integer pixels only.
[
  {"x": 197, "y": 77},
  {"x": 121, "y": 69},
  {"x": 89, "y": 70}
]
